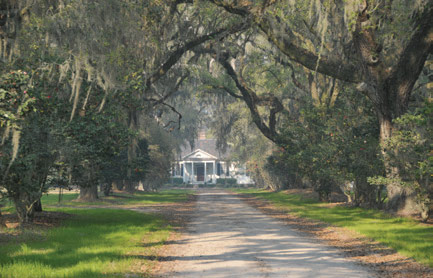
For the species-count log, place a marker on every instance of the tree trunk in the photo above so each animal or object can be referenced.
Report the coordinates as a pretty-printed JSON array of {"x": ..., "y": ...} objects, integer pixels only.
[
  {"x": 396, "y": 194},
  {"x": 88, "y": 194},
  {"x": 117, "y": 185},
  {"x": 25, "y": 211},
  {"x": 425, "y": 212},
  {"x": 365, "y": 194},
  {"x": 130, "y": 186},
  {"x": 107, "y": 188},
  {"x": 38, "y": 206},
  {"x": 2, "y": 221}
]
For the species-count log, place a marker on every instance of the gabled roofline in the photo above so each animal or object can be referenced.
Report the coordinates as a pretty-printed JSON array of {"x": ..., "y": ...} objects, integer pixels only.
[{"x": 199, "y": 150}]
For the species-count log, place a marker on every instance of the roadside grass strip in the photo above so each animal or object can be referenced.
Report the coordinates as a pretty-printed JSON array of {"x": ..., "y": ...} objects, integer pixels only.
[
  {"x": 404, "y": 235},
  {"x": 92, "y": 243},
  {"x": 120, "y": 198}
]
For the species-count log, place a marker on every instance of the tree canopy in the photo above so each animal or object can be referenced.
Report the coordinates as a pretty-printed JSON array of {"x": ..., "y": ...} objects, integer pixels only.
[{"x": 330, "y": 94}]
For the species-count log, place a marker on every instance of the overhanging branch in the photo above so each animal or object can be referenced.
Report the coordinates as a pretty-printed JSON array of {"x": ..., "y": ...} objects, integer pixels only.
[
  {"x": 175, "y": 56},
  {"x": 158, "y": 102},
  {"x": 281, "y": 36},
  {"x": 252, "y": 100}
]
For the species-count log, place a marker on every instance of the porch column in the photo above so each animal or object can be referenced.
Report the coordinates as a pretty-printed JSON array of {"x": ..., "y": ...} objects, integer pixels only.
[
  {"x": 214, "y": 173},
  {"x": 205, "y": 176},
  {"x": 192, "y": 171}
]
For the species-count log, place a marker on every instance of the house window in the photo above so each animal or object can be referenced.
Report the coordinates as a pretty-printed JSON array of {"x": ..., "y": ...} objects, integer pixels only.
[{"x": 219, "y": 169}]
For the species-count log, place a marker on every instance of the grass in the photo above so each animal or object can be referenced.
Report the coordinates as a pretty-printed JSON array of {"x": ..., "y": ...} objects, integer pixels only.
[
  {"x": 407, "y": 236},
  {"x": 93, "y": 243},
  {"x": 120, "y": 199},
  {"x": 144, "y": 198},
  {"x": 138, "y": 198},
  {"x": 97, "y": 242}
]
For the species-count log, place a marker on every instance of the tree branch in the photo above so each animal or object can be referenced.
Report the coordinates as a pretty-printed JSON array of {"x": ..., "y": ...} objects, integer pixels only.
[
  {"x": 281, "y": 36},
  {"x": 406, "y": 71},
  {"x": 174, "y": 90},
  {"x": 330, "y": 66},
  {"x": 177, "y": 54},
  {"x": 229, "y": 91},
  {"x": 158, "y": 102},
  {"x": 251, "y": 100}
]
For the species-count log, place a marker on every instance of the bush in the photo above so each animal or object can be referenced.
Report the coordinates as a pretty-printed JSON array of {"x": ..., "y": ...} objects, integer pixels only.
[
  {"x": 220, "y": 181},
  {"x": 231, "y": 181},
  {"x": 226, "y": 181},
  {"x": 176, "y": 181}
]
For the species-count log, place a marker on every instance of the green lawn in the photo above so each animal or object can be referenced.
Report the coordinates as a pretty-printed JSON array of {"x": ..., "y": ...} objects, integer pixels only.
[
  {"x": 404, "y": 235},
  {"x": 121, "y": 199},
  {"x": 138, "y": 198},
  {"x": 93, "y": 243}
]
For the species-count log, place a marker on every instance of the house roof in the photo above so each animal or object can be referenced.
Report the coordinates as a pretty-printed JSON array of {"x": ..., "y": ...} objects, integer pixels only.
[
  {"x": 205, "y": 145},
  {"x": 199, "y": 155}
]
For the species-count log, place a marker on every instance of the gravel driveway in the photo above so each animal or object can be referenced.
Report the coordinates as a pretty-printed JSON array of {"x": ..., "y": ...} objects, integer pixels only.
[{"x": 228, "y": 238}]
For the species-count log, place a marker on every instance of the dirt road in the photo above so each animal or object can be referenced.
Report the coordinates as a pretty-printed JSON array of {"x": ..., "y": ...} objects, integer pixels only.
[{"x": 228, "y": 238}]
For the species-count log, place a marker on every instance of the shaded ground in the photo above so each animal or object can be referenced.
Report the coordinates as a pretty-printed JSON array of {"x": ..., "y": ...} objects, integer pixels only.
[
  {"x": 381, "y": 259},
  {"x": 228, "y": 238},
  {"x": 175, "y": 213},
  {"x": 93, "y": 238},
  {"x": 42, "y": 221}
]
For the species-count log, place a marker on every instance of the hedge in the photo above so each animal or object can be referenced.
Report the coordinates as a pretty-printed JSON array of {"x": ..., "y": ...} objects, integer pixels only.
[
  {"x": 176, "y": 180},
  {"x": 230, "y": 181}
]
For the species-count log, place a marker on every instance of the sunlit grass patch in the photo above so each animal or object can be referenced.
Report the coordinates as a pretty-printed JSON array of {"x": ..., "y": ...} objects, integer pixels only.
[
  {"x": 119, "y": 198},
  {"x": 166, "y": 196},
  {"x": 93, "y": 243},
  {"x": 405, "y": 235}
]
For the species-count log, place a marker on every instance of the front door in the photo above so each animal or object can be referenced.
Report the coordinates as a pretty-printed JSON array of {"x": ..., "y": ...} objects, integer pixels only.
[{"x": 200, "y": 172}]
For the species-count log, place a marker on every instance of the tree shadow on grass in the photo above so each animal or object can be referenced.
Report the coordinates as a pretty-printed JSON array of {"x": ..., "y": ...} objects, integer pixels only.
[{"x": 90, "y": 244}]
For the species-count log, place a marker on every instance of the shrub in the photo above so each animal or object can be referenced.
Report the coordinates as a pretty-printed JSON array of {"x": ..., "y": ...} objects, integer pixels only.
[
  {"x": 176, "y": 181},
  {"x": 231, "y": 181},
  {"x": 220, "y": 181},
  {"x": 226, "y": 181}
]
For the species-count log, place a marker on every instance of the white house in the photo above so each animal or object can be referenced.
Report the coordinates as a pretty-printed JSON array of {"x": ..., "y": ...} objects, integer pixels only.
[{"x": 204, "y": 163}]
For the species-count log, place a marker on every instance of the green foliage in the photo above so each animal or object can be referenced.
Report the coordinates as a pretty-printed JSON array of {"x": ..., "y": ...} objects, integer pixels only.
[
  {"x": 330, "y": 146},
  {"x": 46, "y": 148},
  {"x": 227, "y": 181},
  {"x": 220, "y": 180},
  {"x": 92, "y": 145},
  {"x": 176, "y": 181},
  {"x": 410, "y": 149},
  {"x": 16, "y": 98},
  {"x": 27, "y": 155}
]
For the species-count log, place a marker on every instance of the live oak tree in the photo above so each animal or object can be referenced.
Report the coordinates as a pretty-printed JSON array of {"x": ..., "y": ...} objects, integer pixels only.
[
  {"x": 27, "y": 121},
  {"x": 383, "y": 46},
  {"x": 319, "y": 141},
  {"x": 136, "y": 57},
  {"x": 90, "y": 59}
]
